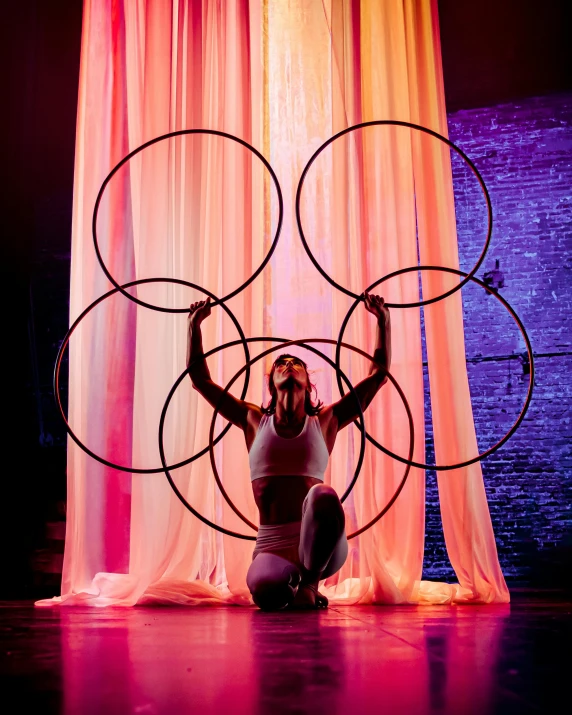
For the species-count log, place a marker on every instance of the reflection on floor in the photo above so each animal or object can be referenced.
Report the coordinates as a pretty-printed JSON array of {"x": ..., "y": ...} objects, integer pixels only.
[{"x": 479, "y": 659}]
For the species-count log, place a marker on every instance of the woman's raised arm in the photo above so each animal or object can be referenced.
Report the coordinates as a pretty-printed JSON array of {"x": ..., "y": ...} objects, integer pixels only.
[
  {"x": 232, "y": 409},
  {"x": 345, "y": 410}
]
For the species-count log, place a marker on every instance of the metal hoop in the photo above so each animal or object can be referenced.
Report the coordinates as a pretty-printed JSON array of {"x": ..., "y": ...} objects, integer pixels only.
[
  {"x": 503, "y": 301},
  {"x": 283, "y": 343},
  {"x": 389, "y": 122},
  {"x": 183, "y": 132},
  {"x": 286, "y": 344},
  {"x": 65, "y": 342}
]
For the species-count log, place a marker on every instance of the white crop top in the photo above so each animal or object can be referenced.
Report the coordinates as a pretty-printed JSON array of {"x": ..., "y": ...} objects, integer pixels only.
[{"x": 272, "y": 455}]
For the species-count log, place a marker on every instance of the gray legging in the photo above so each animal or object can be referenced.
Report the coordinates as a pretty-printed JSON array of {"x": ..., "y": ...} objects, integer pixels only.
[{"x": 323, "y": 548}]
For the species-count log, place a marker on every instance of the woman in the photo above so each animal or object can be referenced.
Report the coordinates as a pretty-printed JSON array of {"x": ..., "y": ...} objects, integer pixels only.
[{"x": 301, "y": 538}]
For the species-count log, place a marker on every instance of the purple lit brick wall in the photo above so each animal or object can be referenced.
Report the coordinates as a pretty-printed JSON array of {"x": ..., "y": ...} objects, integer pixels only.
[{"x": 524, "y": 152}]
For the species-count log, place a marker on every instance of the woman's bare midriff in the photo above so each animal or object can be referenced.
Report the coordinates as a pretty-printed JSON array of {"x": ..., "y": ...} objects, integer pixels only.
[{"x": 279, "y": 499}]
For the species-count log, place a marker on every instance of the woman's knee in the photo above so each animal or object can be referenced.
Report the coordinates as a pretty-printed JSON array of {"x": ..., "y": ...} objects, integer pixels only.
[{"x": 323, "y": 500}]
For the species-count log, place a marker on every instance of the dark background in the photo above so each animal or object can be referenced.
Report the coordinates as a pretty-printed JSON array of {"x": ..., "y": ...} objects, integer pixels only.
[{"x": 493, "y": 52}]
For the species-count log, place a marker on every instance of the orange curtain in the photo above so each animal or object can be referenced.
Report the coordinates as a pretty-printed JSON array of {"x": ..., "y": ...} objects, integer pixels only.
[{"x": 284, "y": 77}]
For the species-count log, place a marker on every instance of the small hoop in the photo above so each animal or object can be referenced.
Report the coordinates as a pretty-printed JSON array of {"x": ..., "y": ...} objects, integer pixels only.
[
  {"x": 515, "y": 426},
  {"x": 170, "y": 135},
  {"x": 285, "y": 344},
  {"x": 65, "y": 342},
  {"x": 430, "y": 132}
]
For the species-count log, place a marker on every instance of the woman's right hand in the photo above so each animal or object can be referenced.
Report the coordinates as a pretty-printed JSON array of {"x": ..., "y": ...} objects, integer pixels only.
[{"x": 199, "y": 311}]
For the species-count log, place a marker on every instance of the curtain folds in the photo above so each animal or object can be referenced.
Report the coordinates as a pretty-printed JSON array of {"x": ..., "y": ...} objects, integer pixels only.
[{"x": 284, "y": 77}]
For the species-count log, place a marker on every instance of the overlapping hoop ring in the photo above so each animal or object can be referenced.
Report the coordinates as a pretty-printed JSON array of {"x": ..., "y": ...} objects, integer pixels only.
[
  {"x": 418, "y": 127},
  {"x": 283, "y": 344},
  {"x": 515, "y": 426},
  {"x": 170, "y": 135},
  {"x": 65, "y": 342}
]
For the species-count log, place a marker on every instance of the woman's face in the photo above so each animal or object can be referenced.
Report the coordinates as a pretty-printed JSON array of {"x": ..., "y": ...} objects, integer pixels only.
[{"x": 287, "y": 369}]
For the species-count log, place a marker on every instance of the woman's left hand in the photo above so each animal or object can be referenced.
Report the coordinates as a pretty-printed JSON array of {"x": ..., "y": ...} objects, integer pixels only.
[{"x": 376, "y": 306}]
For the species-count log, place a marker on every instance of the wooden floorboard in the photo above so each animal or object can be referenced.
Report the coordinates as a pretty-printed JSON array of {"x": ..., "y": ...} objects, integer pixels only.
[{"x": 407, "y": 659}]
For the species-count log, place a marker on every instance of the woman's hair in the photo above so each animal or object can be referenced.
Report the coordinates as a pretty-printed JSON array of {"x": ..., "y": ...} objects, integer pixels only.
[{"x": 309, "y": 407}]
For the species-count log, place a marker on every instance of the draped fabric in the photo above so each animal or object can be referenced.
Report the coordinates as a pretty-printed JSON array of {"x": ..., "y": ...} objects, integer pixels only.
[{"x": 283, "y": 77}]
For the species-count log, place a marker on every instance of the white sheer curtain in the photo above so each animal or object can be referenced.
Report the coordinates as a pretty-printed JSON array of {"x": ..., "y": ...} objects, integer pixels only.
[{"x": 284, "y": 77}]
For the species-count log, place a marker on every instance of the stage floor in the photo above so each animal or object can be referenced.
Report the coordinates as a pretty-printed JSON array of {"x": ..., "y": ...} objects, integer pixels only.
[{"x": 469, "y": 659}]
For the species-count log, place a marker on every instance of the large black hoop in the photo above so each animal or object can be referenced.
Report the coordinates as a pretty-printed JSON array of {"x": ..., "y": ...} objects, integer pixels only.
[
  {"x": 283, "y": 343},
  {"x": 408, "y": 462},
  {"x": 503, "y": 301},
  {"x": 170, "y": 135},
  {"x": 448, "y": 142},
  {"x": 65, "y": 342}
]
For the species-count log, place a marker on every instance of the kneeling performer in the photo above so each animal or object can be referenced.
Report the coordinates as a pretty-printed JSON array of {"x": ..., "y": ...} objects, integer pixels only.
[{"x": 301, "y": 539}]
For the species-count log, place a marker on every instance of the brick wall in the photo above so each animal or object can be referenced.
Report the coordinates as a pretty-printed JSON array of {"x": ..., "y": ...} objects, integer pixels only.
[{"x": 524, "y": 152}]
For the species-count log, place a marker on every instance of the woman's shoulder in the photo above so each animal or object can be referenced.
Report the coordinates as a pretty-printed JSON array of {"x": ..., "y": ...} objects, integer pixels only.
[
  {"x": 325, "y": 415},
  {"x": 255, "y": 414}
]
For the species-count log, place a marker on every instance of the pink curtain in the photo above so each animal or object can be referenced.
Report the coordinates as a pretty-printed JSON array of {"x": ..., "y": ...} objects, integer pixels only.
[{"x": 284, "y": 77}]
